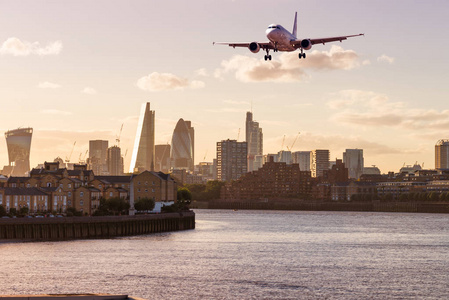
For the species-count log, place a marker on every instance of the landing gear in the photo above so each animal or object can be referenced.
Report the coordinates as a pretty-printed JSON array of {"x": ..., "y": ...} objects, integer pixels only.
[
  {"x": 303, "y": 55},
  {"x": 268, "y": 56}
]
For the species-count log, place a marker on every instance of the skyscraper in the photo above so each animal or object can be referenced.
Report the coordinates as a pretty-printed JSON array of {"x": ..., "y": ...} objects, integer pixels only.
[
  {"x": 98, "y": 155},
  {"x": 18, "y": 142},
  {"x": 162, "y": 154},
  {"x": 254, "y": 140},
  {"x": 303, "y": 159},
  {"x": 231, "y": 159},
  {"x": 442, "y": 154},
  {"x": 143, "y": 152},
  {"x": 115, "y": 161},
  {"x": 353, "y": 160},
  {"x": 319, "y": 162},
  {"x": 182, "y": 146}
]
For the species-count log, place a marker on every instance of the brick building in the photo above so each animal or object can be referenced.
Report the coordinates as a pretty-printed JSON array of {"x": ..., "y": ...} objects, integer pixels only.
[{"x": 54, "y": 189}]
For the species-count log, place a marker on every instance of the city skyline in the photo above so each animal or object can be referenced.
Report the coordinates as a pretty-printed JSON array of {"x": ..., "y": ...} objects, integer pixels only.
[{"x": 73, "y": 73}]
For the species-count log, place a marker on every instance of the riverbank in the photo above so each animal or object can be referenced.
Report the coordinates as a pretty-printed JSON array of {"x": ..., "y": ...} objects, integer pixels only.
[
  {"x": 36, "y": 229},
  {"x": 69, "y": 297},
  {"x": 375, "y": 206}
]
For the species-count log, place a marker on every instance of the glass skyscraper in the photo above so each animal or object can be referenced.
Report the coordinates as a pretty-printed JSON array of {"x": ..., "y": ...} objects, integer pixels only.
[
  {"x": 143, "y": 152},
  {"x": 18, "y": 142},
  {"x": 182, "y": 146}
]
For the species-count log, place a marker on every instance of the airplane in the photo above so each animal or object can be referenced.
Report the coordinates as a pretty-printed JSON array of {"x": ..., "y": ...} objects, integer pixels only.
[{"x": 280, "y": 39}]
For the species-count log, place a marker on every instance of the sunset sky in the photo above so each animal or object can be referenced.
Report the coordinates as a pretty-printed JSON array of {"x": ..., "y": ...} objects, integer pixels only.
[{"x": 77, "y": 70}]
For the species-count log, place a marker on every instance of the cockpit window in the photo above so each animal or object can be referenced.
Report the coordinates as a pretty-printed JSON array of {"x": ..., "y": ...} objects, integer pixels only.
[{"x": 273, "y": 27}]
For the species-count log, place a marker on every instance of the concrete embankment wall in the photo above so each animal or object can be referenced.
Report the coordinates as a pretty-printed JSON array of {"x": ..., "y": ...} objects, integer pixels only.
[
  {"x": 337, "y": 206},
  {"x": 93, "y": 227}
]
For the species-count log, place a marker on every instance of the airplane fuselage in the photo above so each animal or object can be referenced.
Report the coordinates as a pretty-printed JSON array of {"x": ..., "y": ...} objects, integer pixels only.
[{"x": 280, "y": 37}]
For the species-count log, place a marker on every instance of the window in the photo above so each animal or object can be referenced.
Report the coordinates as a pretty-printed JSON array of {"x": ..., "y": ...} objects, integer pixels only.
[
  {"x": 81, "y": 202},
  {"x": 48, "y": 184},
  {"x": 154, "y": 183},
  {"x": 69, "y": 194},
  {"x": 81, "y": 194},
  {"x": 69, "y": 185},
  {"x": 111, "y": 194},
  {"x": 152, "y": 190},
  {"x": 99, "y": 186}
]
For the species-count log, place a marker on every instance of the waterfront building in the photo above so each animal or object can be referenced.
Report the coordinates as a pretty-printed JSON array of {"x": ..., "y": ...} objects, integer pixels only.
[
  {"x": 319, "y": 162},
  {"x": 338, "y": 173},
  {"x": 162, "y": 158},
  {"x": 231, "y": 159},
  {"x": 18, "y": 142},
  {"x": 143, "y": 153},
  {"x": 303, "y": 159},
  {"x": 275, "y": 181},
  {"x": 98, "y": 156},
  {"x": 353, "y": 160},
  {"x": 254, "y": 140},
  {"x": 57, "y": 189},
  {"x": 182, "y": 146},
  {"x": 442, "y": 155},
  {"x": 115, "y": 161}
]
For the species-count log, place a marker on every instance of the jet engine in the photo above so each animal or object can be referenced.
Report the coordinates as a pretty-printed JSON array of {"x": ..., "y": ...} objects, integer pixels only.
[
  {"x": 254, "y": 47},
  {"x": 306, "y": 44}
]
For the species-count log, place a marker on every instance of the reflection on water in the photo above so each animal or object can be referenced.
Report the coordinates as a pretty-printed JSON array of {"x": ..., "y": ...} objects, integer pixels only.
[{"x": 248, "y": 255}]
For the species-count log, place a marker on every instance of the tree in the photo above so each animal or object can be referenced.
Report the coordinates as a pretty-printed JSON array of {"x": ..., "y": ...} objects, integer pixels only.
[
  {"x": 144, "y": 204},
  {"x": 24, "y": 211},
  {"x": 2, "y": 211},
  {"x": 184, "y": 194},
  {"x": 13, "y": 211}
]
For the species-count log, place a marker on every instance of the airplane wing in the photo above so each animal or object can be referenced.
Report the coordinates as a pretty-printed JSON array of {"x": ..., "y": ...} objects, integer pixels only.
[
  {"x": 264, "y": 45},
  {"x": 326, "y": 40}
]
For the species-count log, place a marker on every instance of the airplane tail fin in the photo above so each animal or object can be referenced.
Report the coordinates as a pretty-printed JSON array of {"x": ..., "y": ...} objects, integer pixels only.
[{"x": 295, "y": 26}]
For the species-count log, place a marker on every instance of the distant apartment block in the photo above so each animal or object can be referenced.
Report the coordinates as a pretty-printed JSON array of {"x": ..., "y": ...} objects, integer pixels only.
[
  {"x": 285, "y": 156},
  {"x": 231, "y": 160},
  {"x": 143, "y": 153},
  {"x": 98, "y": 157},
  {"x": 442, "y": 155},
  {"x": 353, "y": 160},
  {"x": 319, "y": 162},
  {"x": 115, "y": 161},
  {"x": 274, "y": 181},
  {"x": 302, "y": 158},
  {"x": 254, "y": 140}
]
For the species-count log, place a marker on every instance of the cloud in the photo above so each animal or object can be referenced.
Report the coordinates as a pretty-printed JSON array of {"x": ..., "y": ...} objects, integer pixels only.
[
  {"x": 166, "y": 81},
  {"x": 202, "y": 72},
  {"x": 385, "y": 58},
  {"x": 89, "y": 91},
  {"x": 48, "y": 85},
  {"x": 288, "y": 68},
  {"x": 16, "y": 47},
  {"x": 370, "y": 109},
  {"x": 55, "y": 112}
]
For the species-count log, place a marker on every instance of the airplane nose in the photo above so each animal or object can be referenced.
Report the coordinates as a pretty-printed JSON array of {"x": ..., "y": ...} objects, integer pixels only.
[{"x": 270, "y": 32}]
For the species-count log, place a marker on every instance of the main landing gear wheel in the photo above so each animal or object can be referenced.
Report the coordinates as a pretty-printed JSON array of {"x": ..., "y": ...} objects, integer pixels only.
[
  {"x": 267, "y": 57},
  {"x": 303, "y": 55}
]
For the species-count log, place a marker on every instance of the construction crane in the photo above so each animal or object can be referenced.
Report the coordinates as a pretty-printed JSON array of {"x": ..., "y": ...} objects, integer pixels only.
[
  {"x": 291, "y": 147},
  {"x": 82, "y": 158},
  {"x": 204, "y": 159},
  {"x": 283, "y": 140},
  {"x": 238, "y": 135},
  {"x": 67, "y": 158},
  {"x": 118, "y": 136}
]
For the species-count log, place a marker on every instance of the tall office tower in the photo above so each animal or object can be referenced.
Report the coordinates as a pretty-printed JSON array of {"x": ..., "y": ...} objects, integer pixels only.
[
  {"x": 442, "y": 154},
  {"x": 115, "y": 161},
  {"x": 231, "y": 159},
  {"x": 302, "y": 158},
  {"x": 98, "y": 157},
  {"x": 162, "y": 154},
  {"x": 18, "y": 142},
  {"x": 143, "y": 152},
  {"x": 192, "y": 139},
  {"x": 285, "y": 156},
  {"x": 258, "y": 162},
  {"x": 353, "y": 160},
  {"x": 254, "y": 140},
  {"x": 182, "y": 146},
  {"x": 319, "y": 162}
]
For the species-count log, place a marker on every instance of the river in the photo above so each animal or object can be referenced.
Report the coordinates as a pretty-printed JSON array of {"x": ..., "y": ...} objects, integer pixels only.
[{"x": 248, "y": 255}]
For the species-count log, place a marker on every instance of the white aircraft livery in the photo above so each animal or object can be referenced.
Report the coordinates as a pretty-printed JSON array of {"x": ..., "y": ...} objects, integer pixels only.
[{"x": 282, "y": 40}]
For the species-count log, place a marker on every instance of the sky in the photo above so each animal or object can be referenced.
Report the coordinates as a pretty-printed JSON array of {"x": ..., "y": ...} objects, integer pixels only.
[{"x": 76, "y": 71}]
